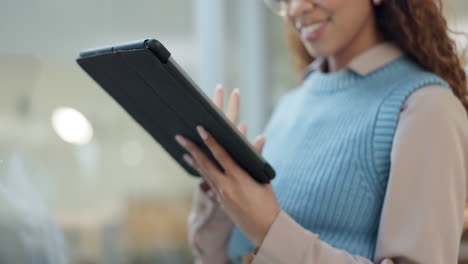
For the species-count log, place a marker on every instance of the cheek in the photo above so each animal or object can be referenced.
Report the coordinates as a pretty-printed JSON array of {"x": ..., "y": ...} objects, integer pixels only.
[{"x": 348, "y": 19}]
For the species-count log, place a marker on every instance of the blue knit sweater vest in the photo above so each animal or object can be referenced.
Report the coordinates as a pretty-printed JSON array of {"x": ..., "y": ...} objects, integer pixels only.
[{"x": 330, "y": 141}]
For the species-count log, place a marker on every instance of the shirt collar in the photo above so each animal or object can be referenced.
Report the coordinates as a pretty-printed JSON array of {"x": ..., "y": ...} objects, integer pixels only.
[{"x": 367, "y": 62}]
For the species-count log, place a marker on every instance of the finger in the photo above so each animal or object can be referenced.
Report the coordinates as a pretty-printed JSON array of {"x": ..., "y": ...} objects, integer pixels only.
[
  {"x": 218, "y": 151},
  {"x": 206, "y": 184},
  {"x": 233, "y": 106},
  {"x": 219, "y": 97},
  {"x": 212, "y": 189},
  {"x": 201, "y": 161},
  {"x": 259, "y": 142},
  {"x": 242, "y": 128}
]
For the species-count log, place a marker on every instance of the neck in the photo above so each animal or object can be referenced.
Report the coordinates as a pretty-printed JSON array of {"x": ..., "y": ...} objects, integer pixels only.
[{"x": 364, "y": 40}]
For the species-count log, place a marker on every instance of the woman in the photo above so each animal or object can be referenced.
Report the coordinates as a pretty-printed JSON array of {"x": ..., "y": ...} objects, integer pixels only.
[{"x": 371, "y": 151}]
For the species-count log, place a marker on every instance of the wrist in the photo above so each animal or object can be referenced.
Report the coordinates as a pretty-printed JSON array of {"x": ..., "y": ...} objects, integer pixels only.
[{"x": 265, "y": 227}]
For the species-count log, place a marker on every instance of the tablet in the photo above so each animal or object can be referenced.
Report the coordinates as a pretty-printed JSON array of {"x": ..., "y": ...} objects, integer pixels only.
[{"x": 156, "y": 92}]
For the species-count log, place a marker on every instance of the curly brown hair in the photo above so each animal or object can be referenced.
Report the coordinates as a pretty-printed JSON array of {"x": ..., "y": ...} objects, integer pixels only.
[{"x": 419, "y": 28}]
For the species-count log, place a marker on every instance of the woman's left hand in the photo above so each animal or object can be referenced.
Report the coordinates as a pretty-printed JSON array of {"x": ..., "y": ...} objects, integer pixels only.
[{"x": 251, "y": 206}]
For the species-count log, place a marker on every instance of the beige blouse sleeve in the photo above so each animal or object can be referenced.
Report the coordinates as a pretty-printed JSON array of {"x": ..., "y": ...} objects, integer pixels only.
[
  {"x": 424, "y": 206},
  {"x": 422, "y": 215}
]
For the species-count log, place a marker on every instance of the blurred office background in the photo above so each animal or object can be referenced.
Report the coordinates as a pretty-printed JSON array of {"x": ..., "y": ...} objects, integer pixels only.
[{"x": 79, "y": 179}]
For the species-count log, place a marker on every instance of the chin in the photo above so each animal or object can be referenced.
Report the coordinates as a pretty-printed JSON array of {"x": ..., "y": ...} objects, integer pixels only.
[{"x": 318, "y": 50}]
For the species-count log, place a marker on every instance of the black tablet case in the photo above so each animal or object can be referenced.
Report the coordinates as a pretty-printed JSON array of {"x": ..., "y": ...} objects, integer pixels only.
[{"x": 146, "y": 81}]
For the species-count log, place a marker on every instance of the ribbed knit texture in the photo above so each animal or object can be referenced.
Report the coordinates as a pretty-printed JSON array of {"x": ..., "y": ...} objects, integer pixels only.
[{"x": 330, "y": 141}]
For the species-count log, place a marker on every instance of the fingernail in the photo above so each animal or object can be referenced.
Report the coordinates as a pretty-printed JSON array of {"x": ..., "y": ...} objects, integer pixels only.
[
  {"x": 181, "y": 140},
  {"x": 188, "y": 159},
  {"x": 202, "y": 132},
  {"x": 244, "y": 124},
  {"x": 259, "y": 137},
  {"x": 219, "y": 86},
  {"x": 236, "y": 90}
]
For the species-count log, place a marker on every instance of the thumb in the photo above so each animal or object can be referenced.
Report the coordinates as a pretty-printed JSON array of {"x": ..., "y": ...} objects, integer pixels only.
[{"x": 259, "y": 142}]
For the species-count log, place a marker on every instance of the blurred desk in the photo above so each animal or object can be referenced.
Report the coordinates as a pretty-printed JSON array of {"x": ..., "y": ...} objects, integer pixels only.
[
  {"x": 146, "y": 230},
  {"x": 92, "y": 236}
]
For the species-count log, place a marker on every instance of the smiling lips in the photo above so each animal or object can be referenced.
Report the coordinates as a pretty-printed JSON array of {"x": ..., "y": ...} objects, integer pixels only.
[{"x": 312, "y": 31}]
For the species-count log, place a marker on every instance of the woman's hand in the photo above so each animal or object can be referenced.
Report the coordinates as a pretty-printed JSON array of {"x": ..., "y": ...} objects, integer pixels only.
[{"x": 253, "y": 207}]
